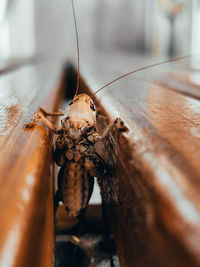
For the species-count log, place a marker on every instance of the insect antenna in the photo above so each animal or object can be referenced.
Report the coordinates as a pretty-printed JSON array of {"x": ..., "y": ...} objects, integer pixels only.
[
  {"x": 77, "y": 45},
  {"x": 140, "y": 69}
]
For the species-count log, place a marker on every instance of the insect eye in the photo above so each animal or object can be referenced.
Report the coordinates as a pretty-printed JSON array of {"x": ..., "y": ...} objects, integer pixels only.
[
  {"x": 71, "y": 102},
  {"x": 92, "y": 106}
]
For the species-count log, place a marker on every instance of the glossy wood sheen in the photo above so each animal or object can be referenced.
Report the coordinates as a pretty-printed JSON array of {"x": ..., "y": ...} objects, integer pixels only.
[
  {"x": 26, "y": 177},
  {"x": 153, "y": 199}
]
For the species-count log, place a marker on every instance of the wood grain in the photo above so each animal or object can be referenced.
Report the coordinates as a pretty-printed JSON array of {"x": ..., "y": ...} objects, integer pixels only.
[
  {"x": 26, "y": 198},
  {"x": 152, "y": 200}
]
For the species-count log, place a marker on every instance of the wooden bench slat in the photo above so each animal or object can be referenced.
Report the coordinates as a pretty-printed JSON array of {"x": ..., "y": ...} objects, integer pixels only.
[
  {"x": 153, "y": 199},
  {"x": 26, "y": 198}
]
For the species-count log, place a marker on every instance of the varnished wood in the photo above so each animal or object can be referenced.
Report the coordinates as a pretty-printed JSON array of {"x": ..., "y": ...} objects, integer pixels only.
[
  {"x": 152, "y": 200},
  {"x": 26, "y": 173}
]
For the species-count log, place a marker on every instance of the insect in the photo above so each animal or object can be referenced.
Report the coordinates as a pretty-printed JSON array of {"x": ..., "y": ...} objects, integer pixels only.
[
  {"x": 75, "y": 144},
  {"x": 75, "y": 151}
]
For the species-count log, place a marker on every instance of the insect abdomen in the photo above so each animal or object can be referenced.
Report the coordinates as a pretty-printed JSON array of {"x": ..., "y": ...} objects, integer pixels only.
[{"x": 75, "y": 185}]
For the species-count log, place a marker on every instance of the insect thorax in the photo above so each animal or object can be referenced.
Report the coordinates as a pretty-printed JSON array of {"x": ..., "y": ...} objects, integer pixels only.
[{"x": 72, "y": 143}]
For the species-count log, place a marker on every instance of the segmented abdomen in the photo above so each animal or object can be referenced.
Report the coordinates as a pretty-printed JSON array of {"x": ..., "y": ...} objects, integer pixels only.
[{"x": 75, "y": 185}]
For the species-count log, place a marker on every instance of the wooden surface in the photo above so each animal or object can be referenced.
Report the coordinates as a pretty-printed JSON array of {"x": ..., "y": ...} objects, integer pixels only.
[
  {"x": 152, "y": 200},
  {"x": 26, "y": 175}
]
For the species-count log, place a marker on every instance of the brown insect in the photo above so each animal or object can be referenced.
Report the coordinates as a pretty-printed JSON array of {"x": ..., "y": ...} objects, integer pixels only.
[
  {"x": 75, "y": 144},
  {"x": 75, "y": 151}
]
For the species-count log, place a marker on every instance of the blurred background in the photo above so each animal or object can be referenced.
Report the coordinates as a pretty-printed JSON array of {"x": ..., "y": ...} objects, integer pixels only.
[{"x": 159, "y": 28}]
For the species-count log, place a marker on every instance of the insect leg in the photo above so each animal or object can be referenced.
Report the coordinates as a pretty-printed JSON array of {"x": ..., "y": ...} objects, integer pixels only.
[
  {"x": 117, "y": 124},
  {"x": 59, "y": 113},
  {"x": 40, "y": 116},
  {"x": 96, "y": 165}
]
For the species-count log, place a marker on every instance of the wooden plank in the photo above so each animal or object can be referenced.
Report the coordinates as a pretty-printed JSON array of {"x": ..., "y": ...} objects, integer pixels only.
[
  {"x": 15, "y": 63},
  {"x": 152, "y": 200},
  {"x": 26, "y": 198}
]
